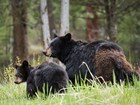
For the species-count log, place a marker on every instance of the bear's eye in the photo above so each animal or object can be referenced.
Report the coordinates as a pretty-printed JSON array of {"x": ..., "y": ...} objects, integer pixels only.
[{"x": 52, "y": 44}]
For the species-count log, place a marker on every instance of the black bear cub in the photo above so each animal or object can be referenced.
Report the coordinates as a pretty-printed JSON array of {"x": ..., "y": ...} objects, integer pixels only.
[
  {"x": 102, "y": 58},
  {"x": 47, "y": 77}
]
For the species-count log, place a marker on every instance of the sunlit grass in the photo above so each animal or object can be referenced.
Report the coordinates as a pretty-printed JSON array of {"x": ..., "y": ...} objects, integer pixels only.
[
  {"x": 12, "y": 94},
  {"x": 83, "y": 94}
]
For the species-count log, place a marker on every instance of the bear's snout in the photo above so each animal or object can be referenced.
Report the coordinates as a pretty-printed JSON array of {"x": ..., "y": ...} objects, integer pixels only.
[
  {"x": 44, "y": 52},
  {"x": 47, "y": 52}
]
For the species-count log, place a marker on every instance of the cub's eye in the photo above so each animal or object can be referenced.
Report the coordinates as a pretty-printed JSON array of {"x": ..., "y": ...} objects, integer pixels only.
[{"x": 18, "y": 75}]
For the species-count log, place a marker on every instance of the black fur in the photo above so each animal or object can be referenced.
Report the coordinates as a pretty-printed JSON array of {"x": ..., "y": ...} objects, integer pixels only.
[
  {"x": 73, "y": 53},
  {"x": 48, "y": 75}
]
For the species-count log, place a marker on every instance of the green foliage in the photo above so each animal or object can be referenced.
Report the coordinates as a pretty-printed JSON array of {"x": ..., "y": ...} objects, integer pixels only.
[
  {"x": 5, "y": 33},
  {"x": 129, "y": 35}
]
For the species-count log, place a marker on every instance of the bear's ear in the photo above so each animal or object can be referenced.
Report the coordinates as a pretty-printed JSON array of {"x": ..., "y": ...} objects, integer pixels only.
[
  {"x": 67, "y": 37},
  {"x": 25, "y": 63},
  {"x": 55, "y": 35}
]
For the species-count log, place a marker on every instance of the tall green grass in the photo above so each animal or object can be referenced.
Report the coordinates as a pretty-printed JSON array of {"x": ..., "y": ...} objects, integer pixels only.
[
  {"x": 83, "y": 94},
  {"x": 12, "y": 94}
]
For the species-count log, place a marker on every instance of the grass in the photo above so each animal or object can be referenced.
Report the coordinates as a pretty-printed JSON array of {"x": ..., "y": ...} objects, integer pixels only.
[
  {"x": 12, "y": 94},
  {"x": 95, "y": 94}
]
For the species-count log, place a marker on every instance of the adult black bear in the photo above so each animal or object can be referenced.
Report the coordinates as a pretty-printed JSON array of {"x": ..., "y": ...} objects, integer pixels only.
[
  {"x": 48, "y": 75},
  {"x": 102, "y": 57}
]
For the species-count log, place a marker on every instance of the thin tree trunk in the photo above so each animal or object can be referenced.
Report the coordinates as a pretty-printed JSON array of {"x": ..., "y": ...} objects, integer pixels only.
[
  {"x": 51, "y": 18},
  {"x": 92, "y": 24},
  {"x": 45, "y": 22},
  {"x": 51, "y": 24},
  {"x": 19, "y": 14},
  {"x": 110, "y": 8},
  {"x": 64, "y": 17}
]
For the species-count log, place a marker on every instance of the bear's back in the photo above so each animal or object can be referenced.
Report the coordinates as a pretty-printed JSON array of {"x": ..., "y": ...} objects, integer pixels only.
[{"x": 48, "y": 71}]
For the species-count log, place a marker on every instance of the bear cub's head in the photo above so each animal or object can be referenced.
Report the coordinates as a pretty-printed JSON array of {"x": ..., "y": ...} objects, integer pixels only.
[
  {"x": 22, "y": 72},
  {"x": 57, "y": 45}
]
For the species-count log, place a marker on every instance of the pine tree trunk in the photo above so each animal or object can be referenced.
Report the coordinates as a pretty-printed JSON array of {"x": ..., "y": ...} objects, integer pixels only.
[
  {"x": 111, "y": 19},
  {"x": 64, "y": 17},
  {"x": 51, "y": 18},
  {"x": 92, "y": 24},
  {"x": 45, "y": 22},
  {"x": 19, "y": 14}
]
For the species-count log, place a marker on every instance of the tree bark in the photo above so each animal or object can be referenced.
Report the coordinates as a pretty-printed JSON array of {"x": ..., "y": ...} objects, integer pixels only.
[
  {"x": 92, "y": 24},
  {"x": 19, "y": 14},
  {"x": 51, "y": 18},
  {"x": 111, "y": 19},
  {"x": 64, "y": 17},
  {"x": 45, "y": 22}
]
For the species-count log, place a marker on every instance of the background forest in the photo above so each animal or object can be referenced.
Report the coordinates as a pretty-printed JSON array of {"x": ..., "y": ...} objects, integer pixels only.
[{"x": 21, "y": 32}]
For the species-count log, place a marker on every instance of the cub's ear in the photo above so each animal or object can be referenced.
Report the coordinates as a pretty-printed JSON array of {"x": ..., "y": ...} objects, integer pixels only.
[
  {"x": 67, "y": 37},
  {"x": 31, "y": 67},
  {"x": 25, "y": 63},
  {"x": 16, "y": 66}
]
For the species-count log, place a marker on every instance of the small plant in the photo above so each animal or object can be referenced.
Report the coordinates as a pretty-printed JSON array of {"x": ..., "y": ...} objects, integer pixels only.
[
  {"x": 18, "y": 61},
  {"x": 9, "y": 73}
]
